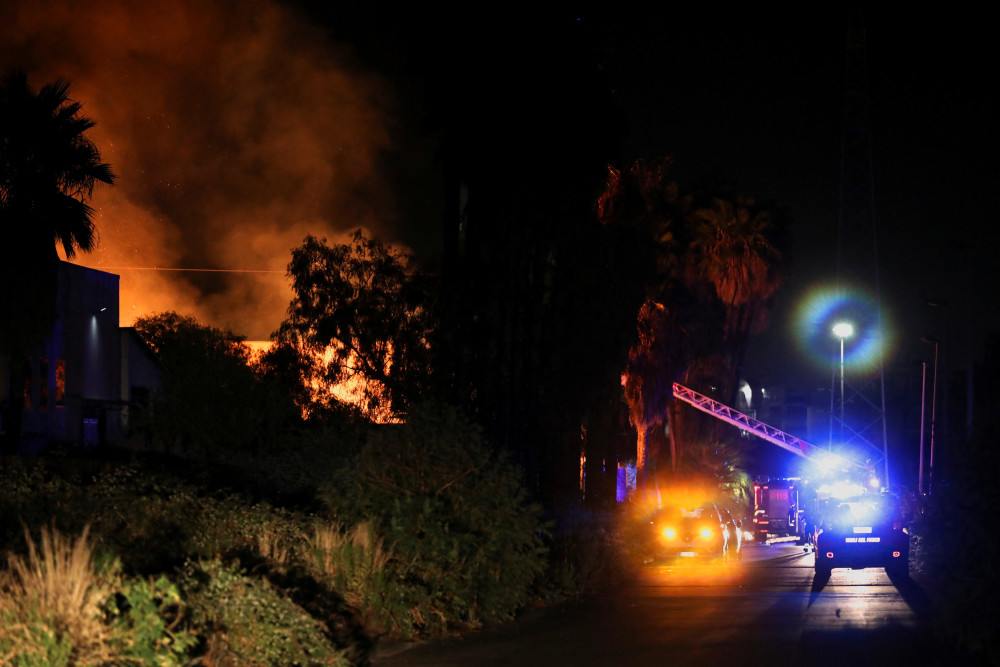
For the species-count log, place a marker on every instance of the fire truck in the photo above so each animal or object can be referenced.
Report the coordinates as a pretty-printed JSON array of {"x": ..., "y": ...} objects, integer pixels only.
[
  {"x": 783, "y": 508},
  {"x": 777, "y": 515}
]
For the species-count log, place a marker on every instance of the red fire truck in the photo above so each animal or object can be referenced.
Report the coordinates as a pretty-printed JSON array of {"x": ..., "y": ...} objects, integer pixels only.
[{"x": 776, "y": 515}]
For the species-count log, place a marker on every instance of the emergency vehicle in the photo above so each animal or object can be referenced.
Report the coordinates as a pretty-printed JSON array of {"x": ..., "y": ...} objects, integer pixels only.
[{"x": 777, "y": 515}]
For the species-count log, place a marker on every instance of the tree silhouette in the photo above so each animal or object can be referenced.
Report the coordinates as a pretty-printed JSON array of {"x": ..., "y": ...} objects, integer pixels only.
[
  {"x": 646, "y": 201},
  {"x": 735, "y": 248},
  {"x": 210, "y": 404},
  {"x": 363, "y": 320},
  {"x": 716, "y": 265},
  {"x": 48, "y": 170}
]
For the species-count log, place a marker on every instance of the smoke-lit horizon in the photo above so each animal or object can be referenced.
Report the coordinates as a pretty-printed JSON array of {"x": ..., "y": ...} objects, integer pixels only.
[{"x": 235, "y": 129}]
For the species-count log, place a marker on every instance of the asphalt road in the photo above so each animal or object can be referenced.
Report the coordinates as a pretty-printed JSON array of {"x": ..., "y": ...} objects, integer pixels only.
[{"x": 768, "y": 609}]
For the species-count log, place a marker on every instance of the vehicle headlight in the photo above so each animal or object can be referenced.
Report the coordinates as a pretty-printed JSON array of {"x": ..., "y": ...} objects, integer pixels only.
[
  {"x": 706, "y": 532},
  {"x": 669, "y": 532}
]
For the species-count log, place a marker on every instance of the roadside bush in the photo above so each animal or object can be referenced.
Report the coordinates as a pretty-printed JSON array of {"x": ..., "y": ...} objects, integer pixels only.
[
  {"x": 353, "y": 563},
  {"x": 590, "y": 552},
  {"x": 246, "y": 621},
  {"x": 52, "y": 604},
  {"x": 60, "y": 607},
  {"x": 151, "y": 521},
  {"x": 30, "y": 495},
  {"x": 465, "y": 542},
  {"x": 956, "y": 548},
  {"x": 147, "y": 616}
]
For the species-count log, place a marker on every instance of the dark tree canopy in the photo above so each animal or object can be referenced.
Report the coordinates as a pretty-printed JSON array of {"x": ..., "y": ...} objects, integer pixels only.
[
  {"x": 213, "y": 401},
  {"x": 361, "y": 315},
  {"x": 48, "y": 168},
  {"x": 718, "y": 261}
]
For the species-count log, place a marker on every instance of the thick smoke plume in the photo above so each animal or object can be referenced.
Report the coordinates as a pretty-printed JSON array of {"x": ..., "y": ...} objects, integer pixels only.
[{"x": 235, "y": 129}]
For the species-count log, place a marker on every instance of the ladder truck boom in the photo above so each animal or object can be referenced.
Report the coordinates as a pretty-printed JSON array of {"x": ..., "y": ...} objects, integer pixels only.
[
  {"x": 784, "y": 440},
  {"x": 778, "y": 516}
]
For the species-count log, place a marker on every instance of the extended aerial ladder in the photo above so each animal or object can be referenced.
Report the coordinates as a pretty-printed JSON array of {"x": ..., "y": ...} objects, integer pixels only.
[
  {"x": 775, "y": 436},
  {"x": 727, "y": 414},
  {"x": 771, "y": 524},
  {"x": 756, "y": 427}
]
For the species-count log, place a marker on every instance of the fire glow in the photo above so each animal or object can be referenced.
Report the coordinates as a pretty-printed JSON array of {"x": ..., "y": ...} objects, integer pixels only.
[
  {"x": 352, "y": 392},
  {"x": 235, "y": 131}
]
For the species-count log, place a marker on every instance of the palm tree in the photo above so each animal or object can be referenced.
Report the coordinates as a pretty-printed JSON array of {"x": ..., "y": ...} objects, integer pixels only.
[
  {"x": 644, "y": 204},
  {"x": 735, "y": 248},
  {"x": 48, "y": 170}
]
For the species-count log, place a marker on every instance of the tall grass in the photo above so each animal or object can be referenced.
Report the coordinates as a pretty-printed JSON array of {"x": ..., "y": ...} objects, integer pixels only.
[
  {"x": 350, "y": 560},
  {"x": 51, "y": 609},
  {"x": 353, "y": 563},
  {"x": 272, "y": 545}
]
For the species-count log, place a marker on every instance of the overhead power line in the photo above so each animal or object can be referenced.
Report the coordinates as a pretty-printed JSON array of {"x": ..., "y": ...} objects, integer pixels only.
[{"x": 166, "y": 268}]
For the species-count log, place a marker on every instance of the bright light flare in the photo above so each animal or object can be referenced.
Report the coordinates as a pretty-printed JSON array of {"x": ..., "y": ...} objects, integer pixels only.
[
  {"x": 862, "y": 511},
  {"x": 843, "y": 330},
  {"x": 840, "y": 490},
  {"x": 823, "y": 308},
  {"x": 706, "y": 532},
  {"x": 825, "y": 464}
]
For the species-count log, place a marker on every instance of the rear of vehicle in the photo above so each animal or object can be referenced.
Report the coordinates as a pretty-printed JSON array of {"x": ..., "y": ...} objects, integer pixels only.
[
  {"x": 775, "y": 510},
  {"x": 864, "y": 531}
]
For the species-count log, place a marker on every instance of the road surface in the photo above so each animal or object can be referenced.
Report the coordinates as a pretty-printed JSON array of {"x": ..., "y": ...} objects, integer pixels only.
[{"x": 769, "y": 609}]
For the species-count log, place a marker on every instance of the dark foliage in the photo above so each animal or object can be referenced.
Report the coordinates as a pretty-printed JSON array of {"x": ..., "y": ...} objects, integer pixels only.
[
  {"x": 956, "y": 547},
  {"x": 357, "y": 303},
  {"x": 464, "y": 539},
  {"x": 212, "y": 404}
]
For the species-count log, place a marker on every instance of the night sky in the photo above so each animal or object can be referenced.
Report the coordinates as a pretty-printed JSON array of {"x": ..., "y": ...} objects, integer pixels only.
[
  {"x": 754, "y": 101},
  {"x": 236, "y": 128}
]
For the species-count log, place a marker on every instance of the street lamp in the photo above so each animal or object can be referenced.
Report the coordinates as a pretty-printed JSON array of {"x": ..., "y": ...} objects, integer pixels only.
[
  {"x": 930, "y": 467},
  {"x": 923, "y": 404},
  {"x": 842, "y": 330}
]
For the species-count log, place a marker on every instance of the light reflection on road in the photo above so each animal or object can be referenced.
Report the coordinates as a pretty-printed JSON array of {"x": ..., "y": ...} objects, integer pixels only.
[
  {"x": 695, "y": 572},
  {"x": 767, "y": 609},
  {"x": 846, "y": 599},
  {"x": 859, "y": 599}
]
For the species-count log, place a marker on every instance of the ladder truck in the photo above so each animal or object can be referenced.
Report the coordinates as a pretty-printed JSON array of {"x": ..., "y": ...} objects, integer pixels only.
[{"x": 778, "y": 510}]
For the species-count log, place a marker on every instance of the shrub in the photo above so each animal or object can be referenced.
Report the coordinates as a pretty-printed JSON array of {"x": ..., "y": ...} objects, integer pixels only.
[
  {"x": 52, "y": 604},
  {"x": 350, "y": 562},
  {"x": 60, "y": 607},
  {"x": 245, "y": 621},
  {"x": 955, "y": 548},
  {"x": 466, "y": 544},
  {"x": 146, "y": 616},
  {"x": 590, "y": 552}
]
